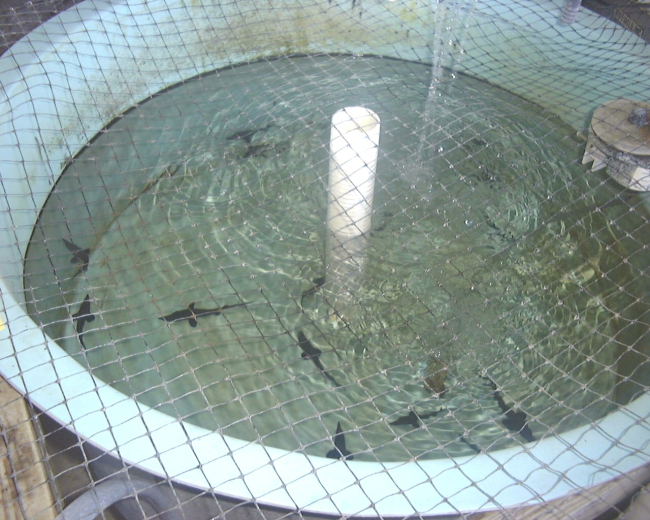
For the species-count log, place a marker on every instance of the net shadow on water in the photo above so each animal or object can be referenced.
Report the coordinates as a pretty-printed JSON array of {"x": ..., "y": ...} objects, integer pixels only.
[{"x": 181, "y": 257}]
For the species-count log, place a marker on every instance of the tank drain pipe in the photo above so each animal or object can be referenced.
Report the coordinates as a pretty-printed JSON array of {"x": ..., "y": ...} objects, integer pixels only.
[
  {"x": 100, "y": 497},
  {"x": 354, "y": 147},
  {"x": 570, "y": 11}
]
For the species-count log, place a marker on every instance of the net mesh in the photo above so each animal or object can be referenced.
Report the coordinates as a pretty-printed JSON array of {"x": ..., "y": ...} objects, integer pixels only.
[{"x": 195, "y": 335}]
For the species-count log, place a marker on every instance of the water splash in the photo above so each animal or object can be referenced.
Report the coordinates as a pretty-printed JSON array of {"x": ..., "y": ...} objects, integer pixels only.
[{"x": 451, "y": 19}]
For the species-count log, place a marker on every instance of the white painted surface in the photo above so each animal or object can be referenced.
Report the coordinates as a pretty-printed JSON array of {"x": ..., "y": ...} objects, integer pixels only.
[{"x": 354, "y": 146}]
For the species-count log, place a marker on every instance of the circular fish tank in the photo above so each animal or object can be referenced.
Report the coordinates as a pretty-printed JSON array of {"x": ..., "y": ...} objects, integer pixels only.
[{"x": 169, "y": 291}]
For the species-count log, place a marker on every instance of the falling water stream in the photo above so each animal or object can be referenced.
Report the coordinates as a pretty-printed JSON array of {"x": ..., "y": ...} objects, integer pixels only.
[
  {"x": 505, "y": 285},
  {"x": 450, "y": 23}
]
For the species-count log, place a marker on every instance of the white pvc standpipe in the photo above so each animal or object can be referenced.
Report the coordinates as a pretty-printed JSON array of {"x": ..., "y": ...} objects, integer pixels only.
[{"x": 354, "y": 146}]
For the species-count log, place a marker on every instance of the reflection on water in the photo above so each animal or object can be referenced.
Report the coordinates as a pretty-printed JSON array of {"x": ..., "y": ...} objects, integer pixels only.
[{"x": 502, "y": 283}]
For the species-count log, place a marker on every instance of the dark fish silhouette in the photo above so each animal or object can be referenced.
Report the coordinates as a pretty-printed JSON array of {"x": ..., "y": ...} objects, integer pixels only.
[
  {"x": 516, "y": 422},
  {"x": 470, "y": 444},
  {"x": 246, "y": 135},
  {"x": 413, "y": 419},
  {"x": 383, "y": 224},
  {"x": 192, "y": 313},
  {"x": 339, "y": 451},
  {"x": 81, "y": 317},
  {"x": 81, "y": 257},
  {"x": 257, "y": 150},
  {"x": 318, "y": 283},
  {"x": 309, "y": 351}
]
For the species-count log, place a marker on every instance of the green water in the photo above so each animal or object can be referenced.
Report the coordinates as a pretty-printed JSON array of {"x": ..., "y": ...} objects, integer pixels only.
[{"x": 489, "y": 258}]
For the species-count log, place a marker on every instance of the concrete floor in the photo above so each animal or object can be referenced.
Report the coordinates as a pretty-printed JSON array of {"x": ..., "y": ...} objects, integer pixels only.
[{"x": 68, "y": 465}]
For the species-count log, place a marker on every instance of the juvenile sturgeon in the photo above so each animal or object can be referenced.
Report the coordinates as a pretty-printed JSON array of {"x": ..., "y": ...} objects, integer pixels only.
[
  {"x": 81, "y": 317},
  {"x": 413, "y": 419},
  {"x": 247, "y": 134},
  {"x": 191, "y": 314},
  {"x": 81, "y": 257},
  {"x": 516, "y": 422},
  {"x": 318, "y": 283},
  {"x": 340, "y": 451},
  {"x": 476, "y": 448},
  {"x": 309, "y": 351}
]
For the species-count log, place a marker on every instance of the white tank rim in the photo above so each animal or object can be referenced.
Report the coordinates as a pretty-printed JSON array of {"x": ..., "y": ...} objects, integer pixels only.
[{"x": 61, "y": 387}]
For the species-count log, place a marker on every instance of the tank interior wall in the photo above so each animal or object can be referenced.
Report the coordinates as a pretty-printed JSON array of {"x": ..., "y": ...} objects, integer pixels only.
[{"x": 87, "y": 73}]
